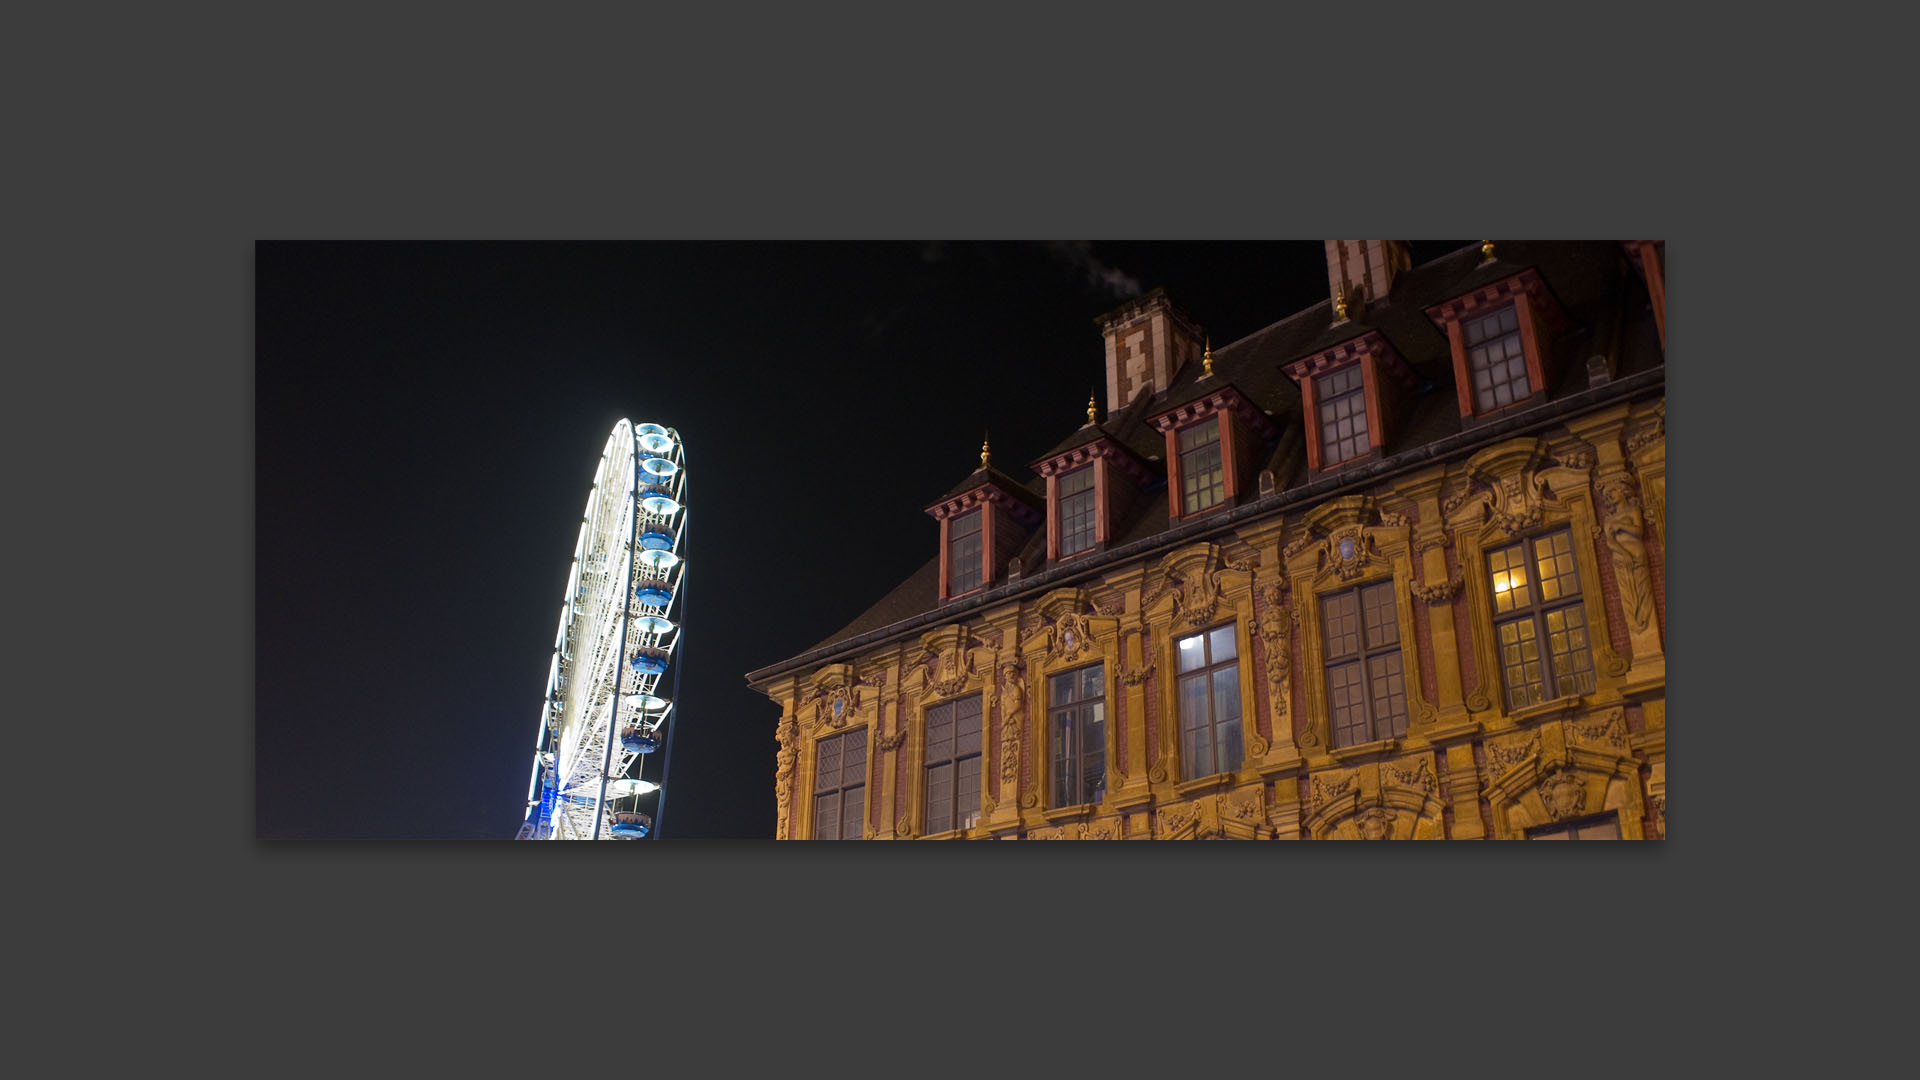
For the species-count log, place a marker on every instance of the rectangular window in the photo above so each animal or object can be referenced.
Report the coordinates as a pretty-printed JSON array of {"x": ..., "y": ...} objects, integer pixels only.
[
  {"x": 953, "y": 765},
  {"x": 1209, "y": 690},
  {"x": 1076, "y": 712},
  {"x": 840, "y": 786},
  {"x": 1366, "y": 689},
  {"x": 1076, "y": 510},
  {"x": 1496, "y": 359},
  {"x": 1600, "y": 828},
  {"x": 1342, "y": 402},
  {"x": 1536, "y": 603},
  {"x": 963, "y": 553},
  {"x": 1203, "y": 483}
]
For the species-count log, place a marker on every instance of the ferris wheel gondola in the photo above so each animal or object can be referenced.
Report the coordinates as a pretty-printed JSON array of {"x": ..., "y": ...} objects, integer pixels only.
[{"x": 605, "y": 715}]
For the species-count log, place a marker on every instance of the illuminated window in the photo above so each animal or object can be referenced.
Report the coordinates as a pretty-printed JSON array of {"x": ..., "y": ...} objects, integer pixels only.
[
  {"x": 1342, "y": 402},
  {"x": 1366, "y": 688},
  {"x": 1209, "y": 688},
  {"x": 840, "y": 786},
  {"x": 963, "y": 553},
  {"x": 1203, "y": 483},
  {"x": 953, "y": 765},
  {"x": 1536, "y": 599},
  {"x": 1606, "y": 827},
  {"x": 1076, "y": 510},
  {"x": 1496, "y": 359},
  {"x": 1077, "y": 719}
]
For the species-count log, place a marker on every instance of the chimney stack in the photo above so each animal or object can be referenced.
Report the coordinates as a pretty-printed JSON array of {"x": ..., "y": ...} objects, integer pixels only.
[
  {"x": 1364, "y": 269},
  {"x": 1148, "y": 339}
]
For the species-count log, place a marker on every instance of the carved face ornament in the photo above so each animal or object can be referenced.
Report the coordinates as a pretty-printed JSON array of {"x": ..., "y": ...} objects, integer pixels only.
[{"x": 1376, "y": 824}]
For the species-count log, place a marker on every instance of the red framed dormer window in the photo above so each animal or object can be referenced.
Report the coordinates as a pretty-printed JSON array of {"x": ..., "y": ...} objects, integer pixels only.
[
  {"x": 1351, "y": 395},
  {"x": 966, "y": 551},
  {"x": 1203, "y": 476},
  {"x": 1497, "y": 335},
  {"x": 1076, "y": 502},
  {"x": 1340, "y": 405},
  {"x": 1211, "y": 443}
]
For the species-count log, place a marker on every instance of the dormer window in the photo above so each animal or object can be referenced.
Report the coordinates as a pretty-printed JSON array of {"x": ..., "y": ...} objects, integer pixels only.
[
  {"x": 1497, "y": 359},
  {"x": 1077, "y": 505},
  {"x": 964, "y": 557},
  {"x": 1202, "y": 479},
  {"x": 1342, "y": 401},
  {"x": 1498, "y": 335}
]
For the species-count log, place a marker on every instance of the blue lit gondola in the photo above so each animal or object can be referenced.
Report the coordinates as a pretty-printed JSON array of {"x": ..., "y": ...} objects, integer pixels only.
[
  {"x": 631, "y": 825},
  {"x": 656, "y": 540},
  {"x": 650, "y": 661}
]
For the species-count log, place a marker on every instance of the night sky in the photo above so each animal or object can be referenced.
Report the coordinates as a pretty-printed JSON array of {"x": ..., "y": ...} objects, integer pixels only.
[{"x": 429, "y": 416}]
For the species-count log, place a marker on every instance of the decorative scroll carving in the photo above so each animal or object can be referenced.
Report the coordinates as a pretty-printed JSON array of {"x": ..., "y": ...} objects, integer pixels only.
[
  {"x": 1563, "y": 793},
  {"x": 1242, "y": 804},
  {"x": 1576, "y": 459},
  {"x": 890, "y": 743},
  {"x": 1191, "y": 579},
  {"x": 788, "y": 734},
  {"x": 1439, "y": 592},
  {"x": 1136, "y": 676},
  {"x": 838, "y": 694},
  {"x": 1158, "y": 774},
  {"x": 1350, "y": 550},
  {"x": 1609, "y": 730},
  {"x": 1624, "y": 529},
  {"x": 1321, "y": 792},
  {"x": 904, "y": 827},
  {"x": 1173, "y": 819},
  {"x": 1654, "y": 428},
  {"x": 948, "y": 663},
  {"x": 1112, "y": 605},
  {"x": 1276, "y": 630},
  {"x": 1100, "y": 830},
  {"x": 1068, "y": 636},
  {"x": 1375, "y": 823},
  {"x": 1420, "y": 778},
  {"x": 1504, "y": 756},
  {"x": 1013, "y": 711}
]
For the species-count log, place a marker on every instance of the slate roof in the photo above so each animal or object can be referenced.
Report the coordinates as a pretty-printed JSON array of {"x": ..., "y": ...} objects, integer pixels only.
[{"x": 1605, "y": 310}]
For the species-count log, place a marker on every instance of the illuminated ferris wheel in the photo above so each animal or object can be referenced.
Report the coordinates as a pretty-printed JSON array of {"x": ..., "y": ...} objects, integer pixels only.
[{"x": 605, "y": 716}]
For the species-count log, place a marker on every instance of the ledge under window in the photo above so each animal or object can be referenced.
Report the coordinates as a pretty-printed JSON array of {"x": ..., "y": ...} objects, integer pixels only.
[
  {"x": 1360, "y": 750},
  {"x": 1217, "y": 780}
]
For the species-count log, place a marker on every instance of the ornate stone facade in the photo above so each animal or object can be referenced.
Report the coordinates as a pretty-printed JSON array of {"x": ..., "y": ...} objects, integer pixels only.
[{"x": 1469, "y": 766}]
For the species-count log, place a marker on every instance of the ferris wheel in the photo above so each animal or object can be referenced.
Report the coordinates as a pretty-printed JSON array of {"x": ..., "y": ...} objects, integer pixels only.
[{"x": 605, "y": 716}]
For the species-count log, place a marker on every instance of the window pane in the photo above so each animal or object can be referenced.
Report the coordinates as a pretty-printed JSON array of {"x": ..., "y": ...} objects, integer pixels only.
[
  {"x": 1220, "y": 643},
  {"x": 1191, "y": 652},
  {"x": 1093, "y": 681},
  {"x": 827, "y": 771},
  {"x": 852, "y": 814},
  {"x": 939, "y": 798},
  {"x": 1342, "y": 616},
  {"x": 1389, "y": 696},
  {"x": 1600, "y": 830},
  {"x": 1382, "y": 617},
  {"x": 1193, "y": 702},
  {"x": 1061, "y": 689},
  {"x": 1226, "y": 695},
  {"x": 826, "y": 817}
]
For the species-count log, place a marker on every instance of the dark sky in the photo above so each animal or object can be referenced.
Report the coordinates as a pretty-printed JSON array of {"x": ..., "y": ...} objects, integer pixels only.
[{"x": 428, "y": 419}]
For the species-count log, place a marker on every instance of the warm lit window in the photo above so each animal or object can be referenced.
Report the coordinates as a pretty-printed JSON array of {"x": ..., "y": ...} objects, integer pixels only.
[
  {"x": 1536, "y": 600},
  {"x": 1600, "y": 828},
  {"x": 953, "y": 765},
  {"x": 963, "y": 553},
  {"x": 1203, "y": 483},
  {"x": 1077, "y": 719},
  {"x": 1366, "y": 688},
  {"x": 840, "y": 786},
  {"x": 1209, "y": 682},
  {"x": 1496, "y": 360},
  {"x": 1076, "y": 511},
  {"x": 1342, "y": 402}
]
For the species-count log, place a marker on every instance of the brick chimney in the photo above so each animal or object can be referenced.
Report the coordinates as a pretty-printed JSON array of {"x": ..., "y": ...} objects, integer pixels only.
[
  {"x": 1148, "y": 339},
  {"x": 1365, "y": 267}
]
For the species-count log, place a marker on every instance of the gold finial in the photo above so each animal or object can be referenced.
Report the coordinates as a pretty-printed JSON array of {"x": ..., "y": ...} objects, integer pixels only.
[
  {"x": 1340, "y": 305},
  {"x": 1090, "y": 407},
  {"x": 983, "y": 451},
  {"x": 1486, "y": 251}
]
